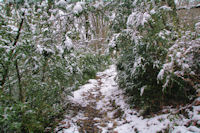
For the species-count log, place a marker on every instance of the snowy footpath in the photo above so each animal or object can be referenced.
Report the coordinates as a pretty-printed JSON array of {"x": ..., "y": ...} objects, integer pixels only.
[{"x": 100, "y": 107}]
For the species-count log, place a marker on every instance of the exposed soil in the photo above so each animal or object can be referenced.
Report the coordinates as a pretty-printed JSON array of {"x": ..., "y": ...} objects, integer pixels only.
[{"x": 94, "y": 118}]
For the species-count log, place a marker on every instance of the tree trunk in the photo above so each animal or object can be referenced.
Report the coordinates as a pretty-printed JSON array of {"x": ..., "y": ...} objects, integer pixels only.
[
  {"x": 5, "y": 73},
  {"x": 87, "y": 24}
]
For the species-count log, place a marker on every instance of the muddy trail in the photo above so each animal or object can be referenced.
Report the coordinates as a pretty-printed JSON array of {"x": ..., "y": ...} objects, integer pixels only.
[{"x": 89, "y": 114}]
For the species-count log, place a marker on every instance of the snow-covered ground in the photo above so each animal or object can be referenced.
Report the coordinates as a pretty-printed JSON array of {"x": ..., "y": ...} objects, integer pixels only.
[{"x": 100, "y": 107}]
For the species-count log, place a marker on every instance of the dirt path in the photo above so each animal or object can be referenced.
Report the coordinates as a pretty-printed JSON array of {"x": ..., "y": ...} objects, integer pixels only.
[
  {"x": 99, "y": 107},
  {"x": 92, "y": 111}
]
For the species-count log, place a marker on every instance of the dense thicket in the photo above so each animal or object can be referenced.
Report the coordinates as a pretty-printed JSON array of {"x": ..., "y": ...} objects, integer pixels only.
[
  {"x": 158, "y": 63},
  {"x": 46, "y": 51},
  {"x": 49, "y": 48}
]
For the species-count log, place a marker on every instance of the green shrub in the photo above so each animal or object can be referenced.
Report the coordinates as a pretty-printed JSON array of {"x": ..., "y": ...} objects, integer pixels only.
[{"x": 147, "y": 48}]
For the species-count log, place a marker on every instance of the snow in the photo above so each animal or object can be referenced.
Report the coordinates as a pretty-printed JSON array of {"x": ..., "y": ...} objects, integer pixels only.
[
  {"x": 188, "y": 6},
  {"x": 180, "y": 129},
  {"x": 52, "y": 18},
  {"x": 78, "y": 7},
  {"x": 166, "y": 8},
  {"x": 180, "y": 56},
  {"x": 68, "y": 42},
  {"x": 160, "y": 74},
  {"x": 138, "y": 18},
  {"x": 14, "y": 28},
  {"x": 113, "y": 99},
  {"x": 197, "y": 27},
  {"x": 39, "y": 48},
  {"x": 142, "y": 90},
  {"x": 146, "y": 17},
  {"x": 112, "y": 16},
  {"x": 112, "y": 42},
  {"x": 61, "y": 3},
  {"x": 152, "y": 11},
  {"x": 77, "y": 95},
  {"x": 164, "y": 33},
  {"x": 60, "y": 49},
  {"x": 197, "y": 24},
  {"x": 131, "y": 19},
  {"x": 98, "y": 4}
]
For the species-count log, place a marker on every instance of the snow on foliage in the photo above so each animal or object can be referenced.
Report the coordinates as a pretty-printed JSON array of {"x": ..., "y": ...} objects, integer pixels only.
[
  {"x": 183, "y": 60},
  {"x": 112, "y": 42},
  {"x": 98, "y": 4},
  {"x": 78, "y": 7},
  {"x": 197, "y": 28},
  {"x": 61, "y": 3},
  {"x": 166, "y": 8},
  {"x": 151, "y": 54},
  {"x": 37, "y": 55},
  {"x": 138, "y": 18},
  {"x": 152, "y": 11},
  {"x": 164, "y": 34},
  {"x": 112, "y": 16},
  {"x": 142, "y": 90},
  {"x": 68, "y": 42}
]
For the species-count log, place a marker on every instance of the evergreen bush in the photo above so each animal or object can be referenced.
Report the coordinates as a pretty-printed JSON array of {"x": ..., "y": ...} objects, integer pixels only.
[
  {"x": 145, "y": 47},
  {"x": 39, "y": 64}
]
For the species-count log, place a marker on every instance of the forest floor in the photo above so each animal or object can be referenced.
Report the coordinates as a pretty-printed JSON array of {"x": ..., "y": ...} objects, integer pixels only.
[{"x": 100, "y": 107}]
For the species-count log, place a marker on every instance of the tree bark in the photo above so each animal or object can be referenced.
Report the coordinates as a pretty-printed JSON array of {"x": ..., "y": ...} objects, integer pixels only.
[{"x": 6, "y": 71}]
